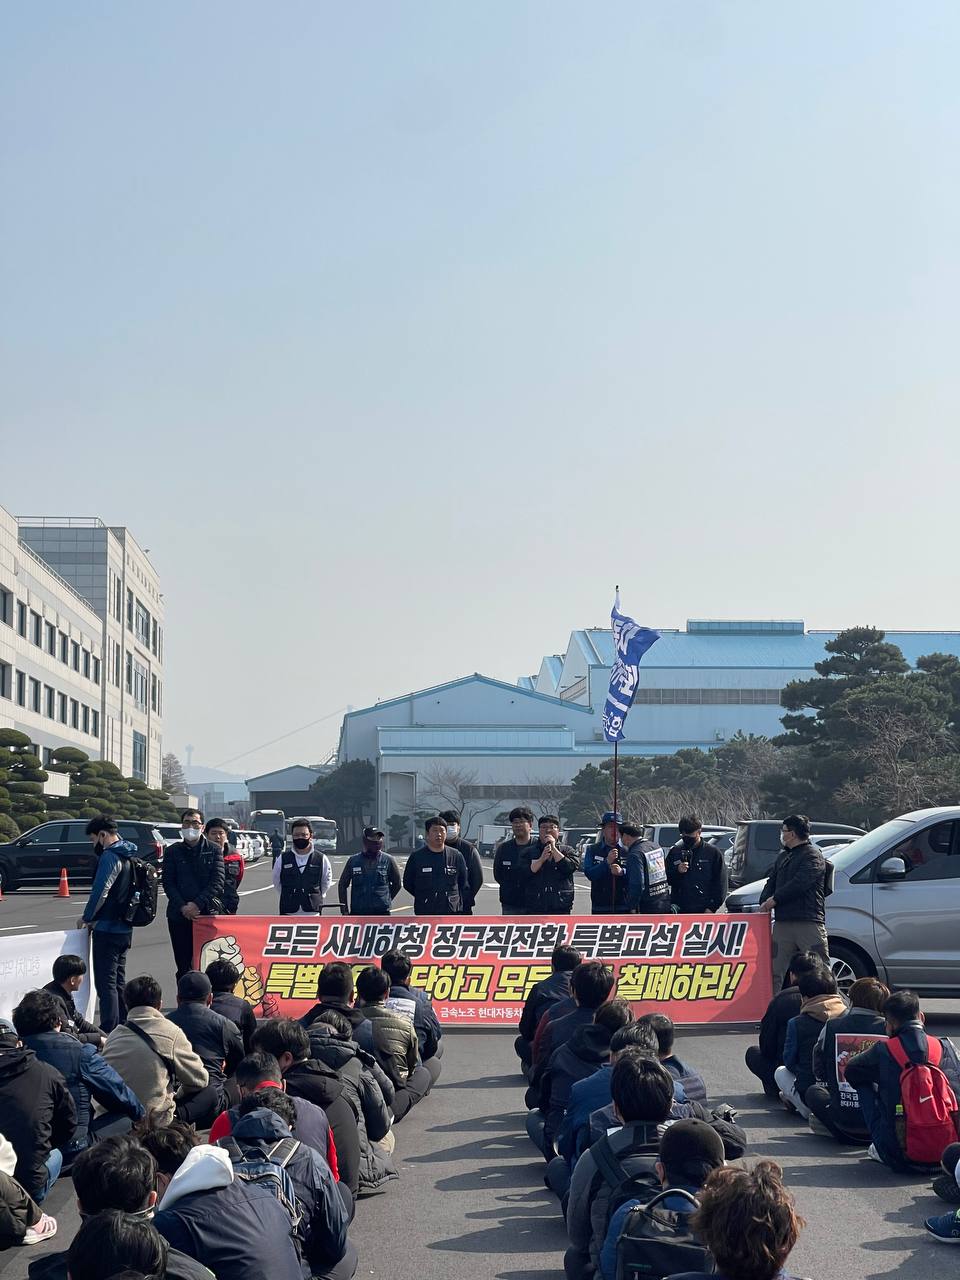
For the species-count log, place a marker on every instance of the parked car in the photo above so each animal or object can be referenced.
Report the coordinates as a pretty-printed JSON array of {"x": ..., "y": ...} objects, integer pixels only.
[
  {"x": 169, "y": 832},
  {"x": 666, "y": 834},
  {"x": 36, "y": 857},
  {"x": 757, "y": 845},
  {"x": 254, "y": 845},
  {"x": 895, "y": 904}
]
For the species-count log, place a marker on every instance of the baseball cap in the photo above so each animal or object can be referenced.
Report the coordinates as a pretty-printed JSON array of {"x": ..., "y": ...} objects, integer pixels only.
[
  {"x": 689, "y": 1149},
  {"x": 610, "y": 816},
  {"x": 372, "y": 833},
  {"x": 194, "y": 986}
]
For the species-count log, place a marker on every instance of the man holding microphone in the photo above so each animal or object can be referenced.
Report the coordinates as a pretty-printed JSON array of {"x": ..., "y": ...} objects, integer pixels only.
[
  {"x": 547, "y": 870},
  {"x": 603, "y": 867}
]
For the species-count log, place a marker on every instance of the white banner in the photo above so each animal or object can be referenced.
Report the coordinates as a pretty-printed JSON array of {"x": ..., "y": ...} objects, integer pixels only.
[{"x": 26, "y": 964}]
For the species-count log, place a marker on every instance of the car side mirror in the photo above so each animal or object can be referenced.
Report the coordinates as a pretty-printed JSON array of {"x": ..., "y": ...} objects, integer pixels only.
[{"x": 892, "y": 869}]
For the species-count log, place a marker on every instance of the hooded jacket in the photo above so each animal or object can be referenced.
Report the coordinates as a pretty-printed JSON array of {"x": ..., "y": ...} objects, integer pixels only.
[
  {"x": 142, "y": 1069},
  {"x": 193, "y": 873},
  {"x": 71, "y": 1019},
  {"x": 583, "y": 1054},
  {"x": 86, "y": 1074},
  {"x": 353, "y": 1015},
  {"x": 784, "y": 1006},
  {"x": 394, "y": 1042},
  {"x": 407, "y": 1002},
  {"x": 542, "y": 995},
  {"x": 588, "y": 1207},
  {"x": 803, "y": 1031},
  {"x": 321, "y": 1085},
  {"x": 313, "y": 1127},
  {"x": 235, "y": 1228},
  {"x": 323, "y": 1230},
  {"x": 845, "y": 1103},
  {"x": 110, "y": 892},
  {"x": 372, "y": 1113},
  {"x": 37, "y": 1112},
  {"x": 179, "y": 1265}
]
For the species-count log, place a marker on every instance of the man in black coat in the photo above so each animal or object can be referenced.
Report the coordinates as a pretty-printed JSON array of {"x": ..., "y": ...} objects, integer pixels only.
[
  {"x": 224, "y": 979},
  {"x": 37, "y": 1114},
  {"x": 68, "y": 974},
  {"x": 795, "y": 891},
  {"x": 215, "y": 1040},
  {"x": 547, "y": 870},
  {"x": 508, "y": 861},
  {"x": 696, "y": 871},
  {"x": 193, "y": 882},
  {"x": 763, "y": 1059},
  {"x": 468, "y": 851},
  {"x": 545, "y": 993}
]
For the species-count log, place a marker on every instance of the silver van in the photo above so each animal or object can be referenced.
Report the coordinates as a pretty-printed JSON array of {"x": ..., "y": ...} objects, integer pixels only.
[{"x": 895, "y": 907}]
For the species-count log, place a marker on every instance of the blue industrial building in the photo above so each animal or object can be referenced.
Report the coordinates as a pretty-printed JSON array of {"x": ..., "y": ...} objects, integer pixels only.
[{"x": 494, "y": 744}]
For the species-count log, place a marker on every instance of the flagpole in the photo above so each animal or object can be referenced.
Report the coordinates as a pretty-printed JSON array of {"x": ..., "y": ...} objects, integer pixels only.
[{"x": 616, "y": 805}]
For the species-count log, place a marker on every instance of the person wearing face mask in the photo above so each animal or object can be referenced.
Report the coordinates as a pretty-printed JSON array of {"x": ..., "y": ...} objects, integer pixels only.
[
  {"x": 370, "y": 880},
  {"x": 192, "y": 879},
  {"x": 105, "y": 916},
  {"x": 302, "y": 875},
  {"x": 696, "y": 871},
  {"x": 471, "y": 857},
  {"x": 218, "y": 833}
]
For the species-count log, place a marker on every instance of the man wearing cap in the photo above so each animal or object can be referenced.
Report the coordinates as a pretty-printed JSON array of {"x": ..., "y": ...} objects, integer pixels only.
[
  {"x": 370, "y": 880},
  {"x": 603, "y": 867},
  {"x": 214, "y": 1039}
]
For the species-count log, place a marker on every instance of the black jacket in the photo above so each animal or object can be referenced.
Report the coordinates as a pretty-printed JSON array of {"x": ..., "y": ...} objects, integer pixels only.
[
  {"x": 216, "y": 1040},
  {"x": 436, "y": 881},
  {"x": 193, "y": 873},
  {"x": 703, "y": 886},
  {"x": 321, "y": 1085},
  {"x": 88, "y": 1076},
  {"x": 784, "y": 1006},
  {"x": 857, "y": 1023},
  {"x": 238, "y": 1011},
  {"x": 508, "y": 873},
  {"x": 354, "y": 1068},
  {"x": 180, "y": 1266},
  {"x": 796, "y": 883},
  {"x": 353, "y": 1015},
  {"x": 71, "y": 1019},
  {"x": 37, "y": 1114},
  {"x": 545, "y": 993},
  {"x": 474, "y": 864},
  {"x": 583, "y": 1054},
  {"x": 550, "y": 890}
]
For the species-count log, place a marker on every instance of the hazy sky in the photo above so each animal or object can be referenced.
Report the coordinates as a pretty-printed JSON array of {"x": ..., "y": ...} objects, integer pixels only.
[{"x": 399, "y": 332}]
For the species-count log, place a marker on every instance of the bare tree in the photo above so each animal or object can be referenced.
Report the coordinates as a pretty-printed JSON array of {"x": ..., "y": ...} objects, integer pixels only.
[
  {"x": 449, "y": 788},
  {"x": 550, "y": 794}
]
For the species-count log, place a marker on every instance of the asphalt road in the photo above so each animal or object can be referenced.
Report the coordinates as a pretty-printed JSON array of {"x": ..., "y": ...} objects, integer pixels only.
[{"x": 471, "y": 1201}]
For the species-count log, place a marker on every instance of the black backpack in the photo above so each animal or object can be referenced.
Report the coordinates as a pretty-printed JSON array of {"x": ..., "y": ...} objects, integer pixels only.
[
  {"x": 623, "y": 1184},
  {"x": 143, "y": 894},
  {"x": 657, "y": 1242}
]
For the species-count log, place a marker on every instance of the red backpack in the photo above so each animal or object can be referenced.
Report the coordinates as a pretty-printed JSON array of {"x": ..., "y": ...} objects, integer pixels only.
[{"x": 929, "y": 1104}]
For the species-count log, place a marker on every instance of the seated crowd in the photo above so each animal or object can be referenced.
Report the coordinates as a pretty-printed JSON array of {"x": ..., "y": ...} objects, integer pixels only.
[
  {"x": 201, "y": 1142},
  {"x": 640, "y": 1160}
]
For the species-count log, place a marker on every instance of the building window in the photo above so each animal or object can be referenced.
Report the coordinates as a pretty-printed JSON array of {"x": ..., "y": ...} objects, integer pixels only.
[
  {"x": 129, "y": 673},
  {"x": 86, "y": 719},
  {"x": 21, "y": 619},
  {"x": 118, "y": 599},
  {"x": 74, "y": 714},
  {"x": 64, "y": 647},
  {"x": 95, "y": 670},
  {"x": 159, "y": 697},
  {"x": 35, "y": 695},
  {"x": 153, "y": 635},
  {"x": 47, "y": 756},
  {"x": 523, "y": 791},
  {"x": 86, "y": 663},
  {"x": 95, "y": 723},
  {"x": 129, "y": 609},
  {"x": 6, "y": 606},
  {"x": 21, "y": 689},
  {"x": 62, "y": 707},
  {"x": 142, "y": 624},
  {"x": 50, "y": 699},
  {"x": 708, "y": 697},
  {"x": 74, "y": 655},
  {"x": 140, "y": 756},
  {"x": 6, "y": 680},
  {"x": 36, "y": 629},
  {"x": 160, "y": 644},
  {"x": 140, "y": 685},
  {"x": 116, "y": 664},
  {"x": 153, "y": 692},
  {"x": 51, "y": 639}
]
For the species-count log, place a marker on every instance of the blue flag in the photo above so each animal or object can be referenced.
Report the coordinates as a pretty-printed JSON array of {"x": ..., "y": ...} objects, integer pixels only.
[{"x": 631, "y": 643}]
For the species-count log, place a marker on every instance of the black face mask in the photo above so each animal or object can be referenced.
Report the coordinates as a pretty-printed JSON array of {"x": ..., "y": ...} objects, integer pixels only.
[
  {"x": 372, "y": 847},
  {"x": 302, "y": 843},
  {"x": 689, "y": 842}
]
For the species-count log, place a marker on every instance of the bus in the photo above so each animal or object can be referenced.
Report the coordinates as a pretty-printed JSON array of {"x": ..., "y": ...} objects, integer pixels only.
[
  {"x": 324, "y": 831},
  {"x": 269, "y": 821}
]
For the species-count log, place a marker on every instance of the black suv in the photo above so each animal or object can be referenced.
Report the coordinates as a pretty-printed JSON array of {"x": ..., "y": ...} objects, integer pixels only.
[
  {"x": 36, "y": 857},
  {"x": 757, "y": 846}
]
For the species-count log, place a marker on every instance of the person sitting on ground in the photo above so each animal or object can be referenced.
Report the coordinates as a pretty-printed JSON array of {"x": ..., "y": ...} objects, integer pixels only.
[
  {"x": 394, "y": 1042},
  {"x": 224, "y": 980},
  {"x": 583, "y": 1054},
  {"x": 118, "y": 1175},
  {"x": 834, "y": 1107},
  {"x": 266, "y": 1118},
  {"x": 592, "y": 985},
  {"x": 37, "y": 1114},
  {"x": 748, "y": 1222},
  {"x": 945, "y": 1227},
  {"x": 87, "y": 1075},
  {"x": 305, "y": 1077},
  {"x": 22, "y": 1221},
  {"x": 155, "y": 1058},
  {"x": 763, "y": 1059},
  {"x": 335, "y": 991},
  {"x": 875, "y": 1074},
  {"x": 68, "y": 975},
  {"x": 642, "y": 1097},
  {"x": 691, "y": 1080},
  {"x": 411, "y": 1002},
  {"x": 260, "y": 1070},
  {"x": 238, "y": 1229},
  {"x": 542, "y": 995},
  {"x": 115, "y": 1244},
  {"x": 215, "y": 1039},
  {"x": 689, "y": 1151},
  {"x": 332, "y": 1045},
  {"x": 819, "y": 1002}
]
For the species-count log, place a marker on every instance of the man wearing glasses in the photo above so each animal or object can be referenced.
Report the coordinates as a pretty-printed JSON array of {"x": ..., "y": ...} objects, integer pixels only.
[{"x": 193, "y": 882}]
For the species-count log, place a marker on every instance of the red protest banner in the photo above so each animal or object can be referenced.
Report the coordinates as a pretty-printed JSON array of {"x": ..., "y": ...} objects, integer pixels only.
[{"x": 479, "y": 971}]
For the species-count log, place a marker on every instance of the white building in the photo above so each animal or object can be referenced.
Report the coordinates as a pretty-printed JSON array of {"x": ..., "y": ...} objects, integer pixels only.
[{"x": 82, "y": 653}]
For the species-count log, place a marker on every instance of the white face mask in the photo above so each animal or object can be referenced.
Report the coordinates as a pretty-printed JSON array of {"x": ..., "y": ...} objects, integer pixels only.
[
  {"x": 452, "y": 832},
  {"x": 190, "y": 834}
]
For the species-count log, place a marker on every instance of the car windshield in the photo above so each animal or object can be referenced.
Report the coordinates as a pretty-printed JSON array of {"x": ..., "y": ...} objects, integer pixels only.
[
  {"x": 325, "y": 830},
  {"x": 870, "y": 843}
]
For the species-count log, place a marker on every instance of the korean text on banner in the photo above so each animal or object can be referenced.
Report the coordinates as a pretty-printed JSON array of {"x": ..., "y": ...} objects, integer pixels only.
[
  {"x": 26, "y": 963},
  {"x": 697, "y": 969}
]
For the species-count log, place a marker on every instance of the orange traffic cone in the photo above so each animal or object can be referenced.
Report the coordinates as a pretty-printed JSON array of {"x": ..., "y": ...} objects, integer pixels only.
[{"x": 64, "y": 890}]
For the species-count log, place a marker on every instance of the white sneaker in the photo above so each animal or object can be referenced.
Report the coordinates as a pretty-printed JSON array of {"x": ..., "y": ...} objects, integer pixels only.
[
  {"x": 874, "y": 1154},
  {"x": 45, "y": 1229}
]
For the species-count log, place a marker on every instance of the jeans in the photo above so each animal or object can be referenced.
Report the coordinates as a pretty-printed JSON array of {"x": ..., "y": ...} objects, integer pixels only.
[
  {"x": 54, "y": 1163},
  {"x": 181, "y": 938},
  {"x": 109, "y": 975}
]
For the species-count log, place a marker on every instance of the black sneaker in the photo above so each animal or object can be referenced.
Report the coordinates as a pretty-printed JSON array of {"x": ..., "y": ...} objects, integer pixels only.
[{"x": 946, "y": 1187}]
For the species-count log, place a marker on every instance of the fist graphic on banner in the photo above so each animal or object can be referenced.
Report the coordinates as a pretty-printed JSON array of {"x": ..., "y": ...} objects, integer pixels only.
[{"x": 250, "y": 987}]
